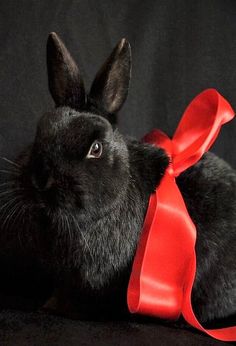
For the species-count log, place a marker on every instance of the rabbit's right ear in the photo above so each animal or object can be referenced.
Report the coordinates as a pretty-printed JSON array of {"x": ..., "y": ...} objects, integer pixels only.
[
  {"x": 65, "y": 83},
  {"x": 110, "y": 87}
]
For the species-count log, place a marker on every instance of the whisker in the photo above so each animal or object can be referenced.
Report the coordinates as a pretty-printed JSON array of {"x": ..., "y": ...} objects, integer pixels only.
[
  {"x": 85, "y": 240},
  {"x": 10, "y": 161},
  {"x": 17, "y": 217},
  {"x": 8, "y": 183},
  {"x": 62, "y": 223},
  {"x": 7, "y": 192},
  {"x": 9, "y": 202},
  {"x": 9, "y": 172},
  {"x": 9, "y": 216},
  {"x": 68, "y": 227}
]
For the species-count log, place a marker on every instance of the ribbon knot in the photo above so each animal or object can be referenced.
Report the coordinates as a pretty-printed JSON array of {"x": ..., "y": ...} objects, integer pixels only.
[
  {"x": 164, "y": 267},
  {"x": 170, "y": 170}
]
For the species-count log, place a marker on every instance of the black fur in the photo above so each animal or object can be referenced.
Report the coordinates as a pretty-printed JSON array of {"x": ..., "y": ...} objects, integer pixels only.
[
  {"x": 65, "y": 83},
  {"x": 81, "y": 218}
]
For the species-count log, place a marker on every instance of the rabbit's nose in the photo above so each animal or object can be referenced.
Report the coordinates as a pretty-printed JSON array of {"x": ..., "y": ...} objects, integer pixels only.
[{"x": 42, "y": 182}]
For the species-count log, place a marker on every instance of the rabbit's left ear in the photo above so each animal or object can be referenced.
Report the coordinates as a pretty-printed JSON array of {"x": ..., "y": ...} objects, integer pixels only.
[
  {"x": 110, "y": 87},
  {"x": 64, "y": 79}
]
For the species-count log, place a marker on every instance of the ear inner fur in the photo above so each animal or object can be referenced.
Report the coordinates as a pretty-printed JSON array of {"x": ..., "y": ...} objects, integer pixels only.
[{"x": 110, "y": 87}]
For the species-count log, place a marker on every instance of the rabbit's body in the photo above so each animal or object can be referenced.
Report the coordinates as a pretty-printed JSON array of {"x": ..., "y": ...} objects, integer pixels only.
[
  {"x": 207, "y": 187},
  {"x": 209, "y": 191},
  {"x": 81, "y": 192}
]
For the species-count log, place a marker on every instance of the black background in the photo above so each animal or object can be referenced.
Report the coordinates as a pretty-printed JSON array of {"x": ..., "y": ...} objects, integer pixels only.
[{"x": 180, "y": 47}]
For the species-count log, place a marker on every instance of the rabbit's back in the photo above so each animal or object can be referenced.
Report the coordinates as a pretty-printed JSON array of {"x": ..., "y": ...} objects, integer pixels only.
[{"x": 209, "y": 190}]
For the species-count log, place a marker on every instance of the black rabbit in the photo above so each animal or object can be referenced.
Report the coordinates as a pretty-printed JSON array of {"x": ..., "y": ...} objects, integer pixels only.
[{"x": 80, "y": 192}]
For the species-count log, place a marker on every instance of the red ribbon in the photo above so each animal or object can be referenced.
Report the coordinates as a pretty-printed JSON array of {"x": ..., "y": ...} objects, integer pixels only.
[{"x": 164, "y": 267}]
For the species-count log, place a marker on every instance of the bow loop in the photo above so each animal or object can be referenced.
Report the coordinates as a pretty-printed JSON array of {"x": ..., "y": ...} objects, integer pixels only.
[
  {"x": 198, "y": 128},
  {"x": 196, "y": 132}
]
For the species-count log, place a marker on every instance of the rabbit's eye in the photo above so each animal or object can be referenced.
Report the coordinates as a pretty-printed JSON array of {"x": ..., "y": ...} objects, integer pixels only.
[{"x": 95, "y": 150}]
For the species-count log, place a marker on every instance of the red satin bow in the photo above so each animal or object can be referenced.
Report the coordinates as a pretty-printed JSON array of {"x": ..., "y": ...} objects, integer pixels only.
[{"x": 164, "y": 267}]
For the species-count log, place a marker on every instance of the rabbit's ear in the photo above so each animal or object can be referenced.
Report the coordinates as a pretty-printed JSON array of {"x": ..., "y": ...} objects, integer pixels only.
[
  {"x": 65, "y": 83},
  {"x": 110, "y": 87}
]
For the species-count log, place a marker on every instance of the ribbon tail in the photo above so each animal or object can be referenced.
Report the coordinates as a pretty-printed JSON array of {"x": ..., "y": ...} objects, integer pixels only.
[
  {"x": 223, "y": 334},
  {"x": 157, "y": 278}
]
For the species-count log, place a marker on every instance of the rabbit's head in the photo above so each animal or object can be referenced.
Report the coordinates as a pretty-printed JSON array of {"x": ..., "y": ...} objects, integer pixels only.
[{"x": 79, "y": 160}]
